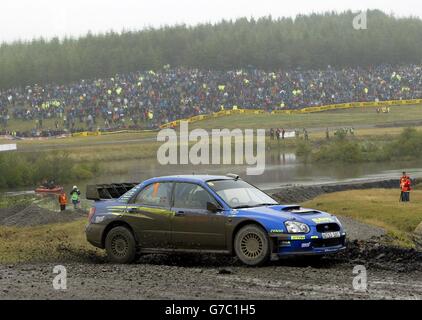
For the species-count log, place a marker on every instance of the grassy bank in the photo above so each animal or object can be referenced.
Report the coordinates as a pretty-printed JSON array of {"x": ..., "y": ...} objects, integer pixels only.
[
  {"x": 350, "y": 149},
  {"x": 56, "y": 242},
  {"x": 8, "y": 202},
  {"x": 143, "y": 145},
  {"x": 29, "y": 169},
  {"x": 380, "y": 207},
  {"x": 346, "y": 117}
]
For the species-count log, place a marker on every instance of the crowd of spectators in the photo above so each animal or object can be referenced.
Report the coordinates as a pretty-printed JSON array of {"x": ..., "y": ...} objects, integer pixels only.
[{"x": 150, "y": 98}]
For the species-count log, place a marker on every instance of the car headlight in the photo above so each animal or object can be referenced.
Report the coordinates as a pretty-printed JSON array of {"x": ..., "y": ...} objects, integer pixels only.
[{"x": 296, "y": 227}]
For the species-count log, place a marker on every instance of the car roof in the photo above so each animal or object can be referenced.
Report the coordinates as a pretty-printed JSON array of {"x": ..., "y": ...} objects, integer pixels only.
[{"x": 189, "y": 178}]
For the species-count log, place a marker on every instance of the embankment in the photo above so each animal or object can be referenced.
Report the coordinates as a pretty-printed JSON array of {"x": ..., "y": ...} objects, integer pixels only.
[{"x": 301, "y": 193}]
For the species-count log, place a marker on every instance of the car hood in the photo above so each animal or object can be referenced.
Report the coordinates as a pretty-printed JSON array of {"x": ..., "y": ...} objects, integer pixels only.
[{"x": 279, "y": 213}]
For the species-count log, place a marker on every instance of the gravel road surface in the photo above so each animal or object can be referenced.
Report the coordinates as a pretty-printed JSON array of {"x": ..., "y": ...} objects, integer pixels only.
[
  {"x": 281, "y": 280},
  {"x": 392, "y": 273}
]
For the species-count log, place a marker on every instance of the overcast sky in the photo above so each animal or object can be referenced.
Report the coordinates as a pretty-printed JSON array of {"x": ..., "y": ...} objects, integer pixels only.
[{"x": 26, "y": 19}]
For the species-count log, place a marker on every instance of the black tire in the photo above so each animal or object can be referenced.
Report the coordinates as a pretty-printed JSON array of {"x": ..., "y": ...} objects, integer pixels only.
[
  {"x": 252, "y": 245},
  {"x": 120, "y": 245}
]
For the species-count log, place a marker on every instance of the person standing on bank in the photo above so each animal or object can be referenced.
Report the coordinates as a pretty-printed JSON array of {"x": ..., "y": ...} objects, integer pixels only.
[
  {"x": 405, "y": 186},
  {"x": 62, "y": 201},
  {"x": 406, "y": 190},
  {"x": 74, "y": 196}
]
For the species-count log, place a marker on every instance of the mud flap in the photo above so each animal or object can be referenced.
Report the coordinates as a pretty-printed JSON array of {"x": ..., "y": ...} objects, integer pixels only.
[{"x": 274, "y": 249}]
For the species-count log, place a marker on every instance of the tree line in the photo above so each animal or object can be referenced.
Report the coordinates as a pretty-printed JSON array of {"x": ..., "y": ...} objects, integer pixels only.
[{"x": 308, "y": 41}]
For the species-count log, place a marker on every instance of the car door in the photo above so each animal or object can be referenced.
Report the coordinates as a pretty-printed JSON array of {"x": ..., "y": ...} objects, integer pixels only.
[
  {"x": 149, "y": 215},
  {"x": 193, "y": 226}
]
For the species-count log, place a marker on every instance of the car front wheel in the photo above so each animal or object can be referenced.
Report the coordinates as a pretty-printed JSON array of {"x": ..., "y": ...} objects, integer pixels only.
[
  {"x": 120, "y": 245},
  {"x": 252, "y": 245}
]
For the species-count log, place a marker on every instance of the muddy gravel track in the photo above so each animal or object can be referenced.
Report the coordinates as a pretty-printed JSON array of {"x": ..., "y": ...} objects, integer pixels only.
[
  {"x": 392, "y": 273},
  {"x": 146, "y": 280}
]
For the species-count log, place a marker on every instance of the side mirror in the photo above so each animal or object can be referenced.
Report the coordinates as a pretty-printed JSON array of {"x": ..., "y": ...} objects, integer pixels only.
[{"x": 212, "y": 207}]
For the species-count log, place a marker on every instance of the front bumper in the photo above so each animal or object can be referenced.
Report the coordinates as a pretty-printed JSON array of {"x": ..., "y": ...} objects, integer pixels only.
[{"x": 290, "y": 245}]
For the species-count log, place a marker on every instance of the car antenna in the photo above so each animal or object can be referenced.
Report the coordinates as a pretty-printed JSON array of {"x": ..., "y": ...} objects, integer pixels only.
[{"x": 234, "y": 176}]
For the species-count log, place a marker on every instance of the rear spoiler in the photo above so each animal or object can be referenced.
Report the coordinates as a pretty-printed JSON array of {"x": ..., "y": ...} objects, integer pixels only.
[{"x": 108, "y": 191}]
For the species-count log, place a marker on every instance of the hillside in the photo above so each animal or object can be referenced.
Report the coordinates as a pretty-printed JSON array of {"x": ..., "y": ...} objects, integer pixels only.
[{"x": 312, "y": 41}]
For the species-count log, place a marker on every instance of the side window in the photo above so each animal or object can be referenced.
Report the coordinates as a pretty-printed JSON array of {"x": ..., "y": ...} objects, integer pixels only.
[
  {"x": 155, "y": 194},
  {"x": 191, "y": 196}
]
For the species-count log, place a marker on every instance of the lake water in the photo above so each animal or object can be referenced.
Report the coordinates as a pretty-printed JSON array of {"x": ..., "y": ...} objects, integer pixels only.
[{"x": 281, "y": 169}]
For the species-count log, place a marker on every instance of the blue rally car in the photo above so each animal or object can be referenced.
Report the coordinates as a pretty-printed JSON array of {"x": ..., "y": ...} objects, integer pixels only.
[{"x": 217, "y": 214}]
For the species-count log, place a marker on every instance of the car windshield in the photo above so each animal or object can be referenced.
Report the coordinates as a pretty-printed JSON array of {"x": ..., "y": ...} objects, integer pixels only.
[{"x": 240, "y": 194}]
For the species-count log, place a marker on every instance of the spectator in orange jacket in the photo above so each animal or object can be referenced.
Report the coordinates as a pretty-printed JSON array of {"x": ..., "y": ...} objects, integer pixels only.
[
  {"x": 62, "y": 201},
  {"x": 402, "y": 181},
  {"x": 405, "y": 185}
]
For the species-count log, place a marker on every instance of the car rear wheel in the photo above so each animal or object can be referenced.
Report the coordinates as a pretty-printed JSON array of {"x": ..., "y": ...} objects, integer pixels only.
[
  {"x": 120, "y": 245},
  {"x": 252, "y": 245}
]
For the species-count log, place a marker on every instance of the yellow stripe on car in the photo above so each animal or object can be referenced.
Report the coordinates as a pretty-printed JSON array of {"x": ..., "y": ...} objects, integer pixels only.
[{"x": 139, "y": 215}]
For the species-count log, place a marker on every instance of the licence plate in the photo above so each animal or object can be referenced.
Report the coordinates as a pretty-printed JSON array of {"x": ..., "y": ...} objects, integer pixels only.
[{"x": 331, "y": 235}]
